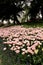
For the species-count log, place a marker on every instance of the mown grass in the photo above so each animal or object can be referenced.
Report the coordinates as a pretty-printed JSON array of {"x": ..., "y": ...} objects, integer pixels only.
[{"x": 33, "y": 24}]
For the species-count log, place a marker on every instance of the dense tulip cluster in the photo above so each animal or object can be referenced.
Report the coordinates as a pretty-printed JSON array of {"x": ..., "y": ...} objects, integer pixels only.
[{"x": 22, "y": 40}]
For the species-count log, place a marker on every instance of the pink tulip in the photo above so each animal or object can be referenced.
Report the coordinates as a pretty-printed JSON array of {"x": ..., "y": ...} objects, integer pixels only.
[
  {"x": 23, "y": 53},
  {"x": 19, "y": 43},
  {"x": 28, "y": 43},
  {"x": 23, "y": 49},
  {"x": 33, "y": 47},
  {"x": 17, "y": 51},
  {"x": 12, "y": 48},
  {"x": 30, "y": 51},
  {"x": 18, "y": 47}
]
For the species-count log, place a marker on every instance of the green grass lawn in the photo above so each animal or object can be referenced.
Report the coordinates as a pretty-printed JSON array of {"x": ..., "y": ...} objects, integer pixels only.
[{"x": 33, "y": 24}]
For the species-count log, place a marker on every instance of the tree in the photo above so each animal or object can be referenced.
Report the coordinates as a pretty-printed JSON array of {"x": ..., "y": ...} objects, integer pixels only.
[
  {"x": 36, "y": 6},
  {"x": 8, "y": 8}
]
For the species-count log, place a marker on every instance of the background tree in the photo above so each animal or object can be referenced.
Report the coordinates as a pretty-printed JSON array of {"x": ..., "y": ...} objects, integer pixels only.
[
  {"x": 10, "y": 8},
  {"x": 36, "y": 6}
]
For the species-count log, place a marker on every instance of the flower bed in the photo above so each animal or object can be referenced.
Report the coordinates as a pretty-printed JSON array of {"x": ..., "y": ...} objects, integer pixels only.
[{"x": 25, "y": 42}]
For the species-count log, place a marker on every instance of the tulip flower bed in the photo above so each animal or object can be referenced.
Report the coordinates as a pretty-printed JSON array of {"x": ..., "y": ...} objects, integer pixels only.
[{"x": 26, "y": 43}]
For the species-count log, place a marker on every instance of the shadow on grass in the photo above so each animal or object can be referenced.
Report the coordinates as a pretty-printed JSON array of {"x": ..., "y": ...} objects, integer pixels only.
[{"x": 33, "y": 24}]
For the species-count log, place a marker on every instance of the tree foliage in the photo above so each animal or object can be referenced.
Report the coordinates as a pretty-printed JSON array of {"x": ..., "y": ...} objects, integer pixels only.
[
  {"x": 36, "y": 6},
  {"x": 9, "y": 8}
]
